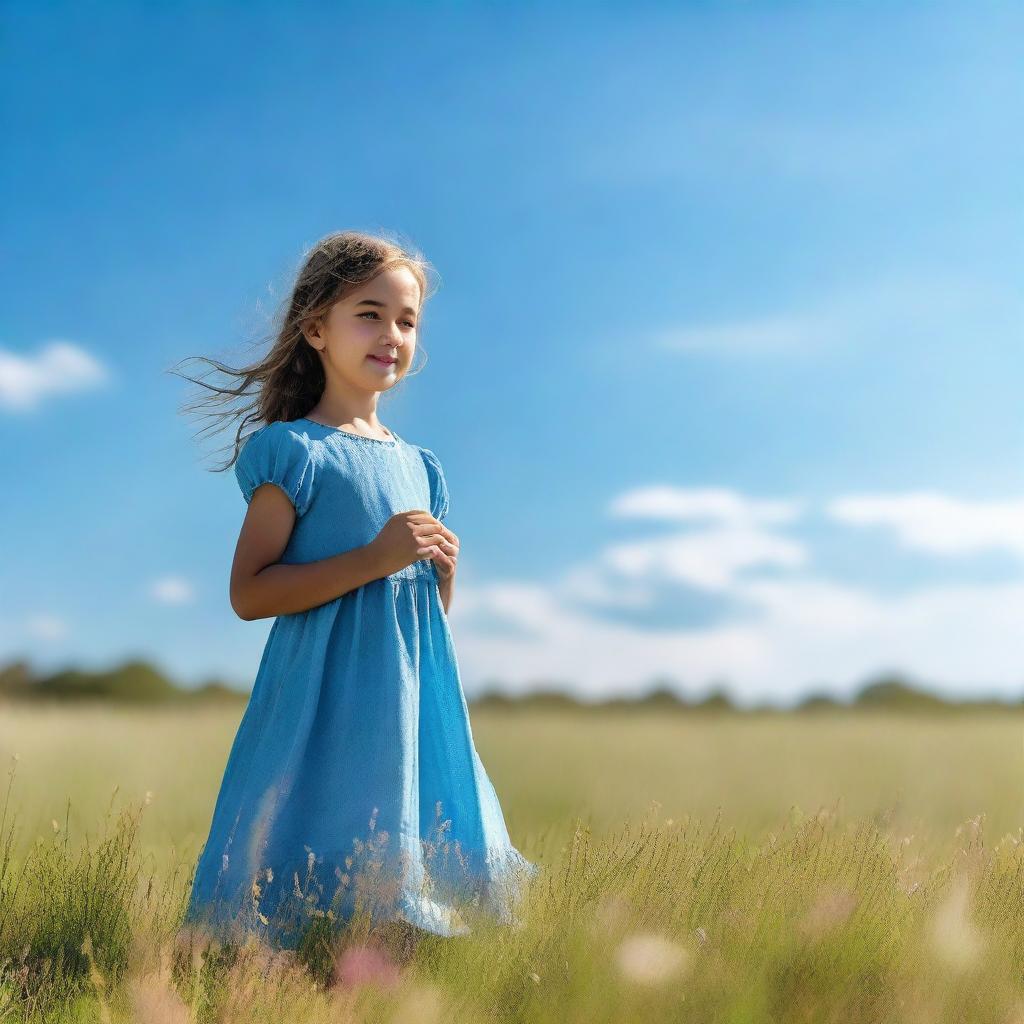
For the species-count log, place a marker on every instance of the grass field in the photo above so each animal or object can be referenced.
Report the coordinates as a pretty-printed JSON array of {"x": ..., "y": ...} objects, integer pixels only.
[{"x": 853, "y": 867}]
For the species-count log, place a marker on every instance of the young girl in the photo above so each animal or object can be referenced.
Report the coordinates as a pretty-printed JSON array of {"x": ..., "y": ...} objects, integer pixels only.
[{"x": 353, "y": 783}]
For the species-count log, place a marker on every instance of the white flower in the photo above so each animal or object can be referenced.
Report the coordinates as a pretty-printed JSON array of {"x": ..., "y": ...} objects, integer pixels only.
[
  {"x": 650, "y": 959},
  {"x": 954, "y": 937}
]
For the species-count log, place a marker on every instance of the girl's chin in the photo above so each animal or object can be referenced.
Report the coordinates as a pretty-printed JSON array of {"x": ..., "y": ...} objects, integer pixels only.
[{"x": 382, "y": 381}]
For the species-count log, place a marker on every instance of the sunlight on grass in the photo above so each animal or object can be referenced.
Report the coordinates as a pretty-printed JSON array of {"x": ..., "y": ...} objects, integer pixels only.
[{"x": 823, "y": 914}]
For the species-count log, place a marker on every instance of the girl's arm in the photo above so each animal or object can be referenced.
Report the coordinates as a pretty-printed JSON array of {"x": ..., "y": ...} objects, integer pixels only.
[
  {"x": 447, "y": 587},
  {"x": 446, "y": 560},
  {"x": 262, "y": 587}
]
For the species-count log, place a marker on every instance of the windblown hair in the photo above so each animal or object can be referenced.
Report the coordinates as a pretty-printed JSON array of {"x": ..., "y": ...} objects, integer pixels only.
[{"x": 288, "y": 381}]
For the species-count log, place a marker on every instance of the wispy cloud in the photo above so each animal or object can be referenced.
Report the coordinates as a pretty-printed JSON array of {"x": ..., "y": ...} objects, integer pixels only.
[
  {"x": 897, "y": 309},
  {"x": 710, "y": 559},
  {"x": 929, "y": 521},
  {"x": 172, "y": 590},
  {"x": 58, "y": 368},
  {"x": 707, "y": 504},
  {"x": 732, "y": 536},
  {"x": 766, "y": 335},
  {"x": 46, "y": 627}
]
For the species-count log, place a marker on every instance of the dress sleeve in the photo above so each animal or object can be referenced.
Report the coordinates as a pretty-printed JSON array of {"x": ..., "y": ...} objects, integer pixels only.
[
  {"x": 438, "y": 484},
  {"x": 276, "y": 455}
]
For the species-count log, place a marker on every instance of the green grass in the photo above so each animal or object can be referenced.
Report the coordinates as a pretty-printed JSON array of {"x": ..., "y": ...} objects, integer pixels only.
[{"x": 846, "y": 867}]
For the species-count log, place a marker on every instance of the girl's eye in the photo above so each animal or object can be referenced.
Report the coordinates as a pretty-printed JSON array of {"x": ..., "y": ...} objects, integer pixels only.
[{"x": 370, "y": 312}]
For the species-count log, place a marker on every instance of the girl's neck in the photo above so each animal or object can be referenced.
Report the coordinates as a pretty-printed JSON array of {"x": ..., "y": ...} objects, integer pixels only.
[
  {"x": 351, "y": 424},
  {"x": 336, "y": 416}
]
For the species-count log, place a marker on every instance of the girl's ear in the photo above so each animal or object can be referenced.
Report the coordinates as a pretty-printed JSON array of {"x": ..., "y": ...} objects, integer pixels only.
[{"x": 311, "y": 329}]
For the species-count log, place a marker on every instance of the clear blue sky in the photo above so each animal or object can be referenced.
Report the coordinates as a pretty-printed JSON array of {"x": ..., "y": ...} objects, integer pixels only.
[{"x": 724, "y": 369}]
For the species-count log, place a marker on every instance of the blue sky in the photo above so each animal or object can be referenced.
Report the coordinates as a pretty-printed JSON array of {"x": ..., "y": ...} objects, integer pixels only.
[{"x": 724, "y": 368}]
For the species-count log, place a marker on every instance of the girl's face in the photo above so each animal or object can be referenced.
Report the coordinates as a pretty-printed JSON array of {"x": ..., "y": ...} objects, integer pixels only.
[{"x": 368, "y": 339}]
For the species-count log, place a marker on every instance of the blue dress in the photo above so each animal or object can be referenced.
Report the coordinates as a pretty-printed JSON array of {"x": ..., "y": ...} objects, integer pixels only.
[{"x": 353, "y": 783}]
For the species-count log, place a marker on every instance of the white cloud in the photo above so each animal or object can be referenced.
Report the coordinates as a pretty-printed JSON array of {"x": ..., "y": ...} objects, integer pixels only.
[
  {"x": 60, "y": 367},
  {"x": 733, "y": 537},
  {"x": 592, "y": 584},
  {"x": 811, "y": 634},
  {"x": 597, "y": 657},
  {"x": 767, "y": 335},
  {"x": 172, "y": 590},
  {"x": 799, "y": 630},
  {"x": 715, "y": 504},
  {"x": 710, "y": 559},
  {"x": 46, "y": 627},
  {"x": 929, "y": 521}
]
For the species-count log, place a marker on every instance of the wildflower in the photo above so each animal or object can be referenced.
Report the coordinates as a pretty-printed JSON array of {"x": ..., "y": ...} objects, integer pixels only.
[
  {"x": 650, "y": 959},
  {"x": 954, "y": 938},
  {"x": 365, "y": 965},
  {"x": 421, "y": 1004},
  {"x": 610, "y": 913},
  {"x": 831, "y": 908},
  {"x": 153, "y": 997}
]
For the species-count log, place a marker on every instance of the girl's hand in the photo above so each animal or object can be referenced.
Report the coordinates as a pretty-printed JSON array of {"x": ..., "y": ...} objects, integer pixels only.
[
  {"x": 445, "y": 554},
  {"x": 409, "y": 536}
]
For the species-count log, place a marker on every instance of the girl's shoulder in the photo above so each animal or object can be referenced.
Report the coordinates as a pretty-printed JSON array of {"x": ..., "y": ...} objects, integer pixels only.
[
  {"x": 438, "y": 483},
  {"x": 277, "y": 453},
  {"x": 279, "y": 440},
  {"x": 430, "y": 460},
  {"x": 281, "y": 428},
  {"x": 275, "y": 432}
]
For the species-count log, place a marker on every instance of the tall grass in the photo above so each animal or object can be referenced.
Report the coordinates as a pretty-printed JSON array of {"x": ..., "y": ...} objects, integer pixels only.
[
  {"x": 821, "y": 918},
  {"x": 745, "y": 908}
]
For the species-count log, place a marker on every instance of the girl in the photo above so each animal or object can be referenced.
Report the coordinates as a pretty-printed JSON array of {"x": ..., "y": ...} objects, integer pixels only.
[{"x": 353, "y": 783}]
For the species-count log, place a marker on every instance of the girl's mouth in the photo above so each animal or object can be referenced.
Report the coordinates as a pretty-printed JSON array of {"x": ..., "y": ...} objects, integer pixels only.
[{"x": 384, "y": 362}]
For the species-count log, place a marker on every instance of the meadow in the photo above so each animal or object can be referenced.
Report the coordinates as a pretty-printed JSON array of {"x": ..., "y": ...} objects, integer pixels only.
[{"x": 853, "y": 866}]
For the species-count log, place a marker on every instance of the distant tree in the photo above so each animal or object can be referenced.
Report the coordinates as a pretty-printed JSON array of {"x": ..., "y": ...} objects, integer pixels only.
[
  {"x": 896, "y": 693},
  {"x": 548, "y": 696},
  {"x": 664, "y": 693},
  {"x": 216, "y": 691},
  {"x": 492, "y": 697},
  {"x": 134, "y": 681},
  {"x": 818, "y": 702},
  {"x": 717, "y": 700},
  {"x": 15, "y": 679}
]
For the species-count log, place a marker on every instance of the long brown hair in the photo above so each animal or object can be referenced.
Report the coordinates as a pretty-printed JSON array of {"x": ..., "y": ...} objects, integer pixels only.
[{"x": 289, "y": 380}]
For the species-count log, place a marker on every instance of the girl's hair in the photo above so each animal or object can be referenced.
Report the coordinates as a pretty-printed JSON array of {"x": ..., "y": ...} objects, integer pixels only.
[{"x": 289, "y": 380}]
